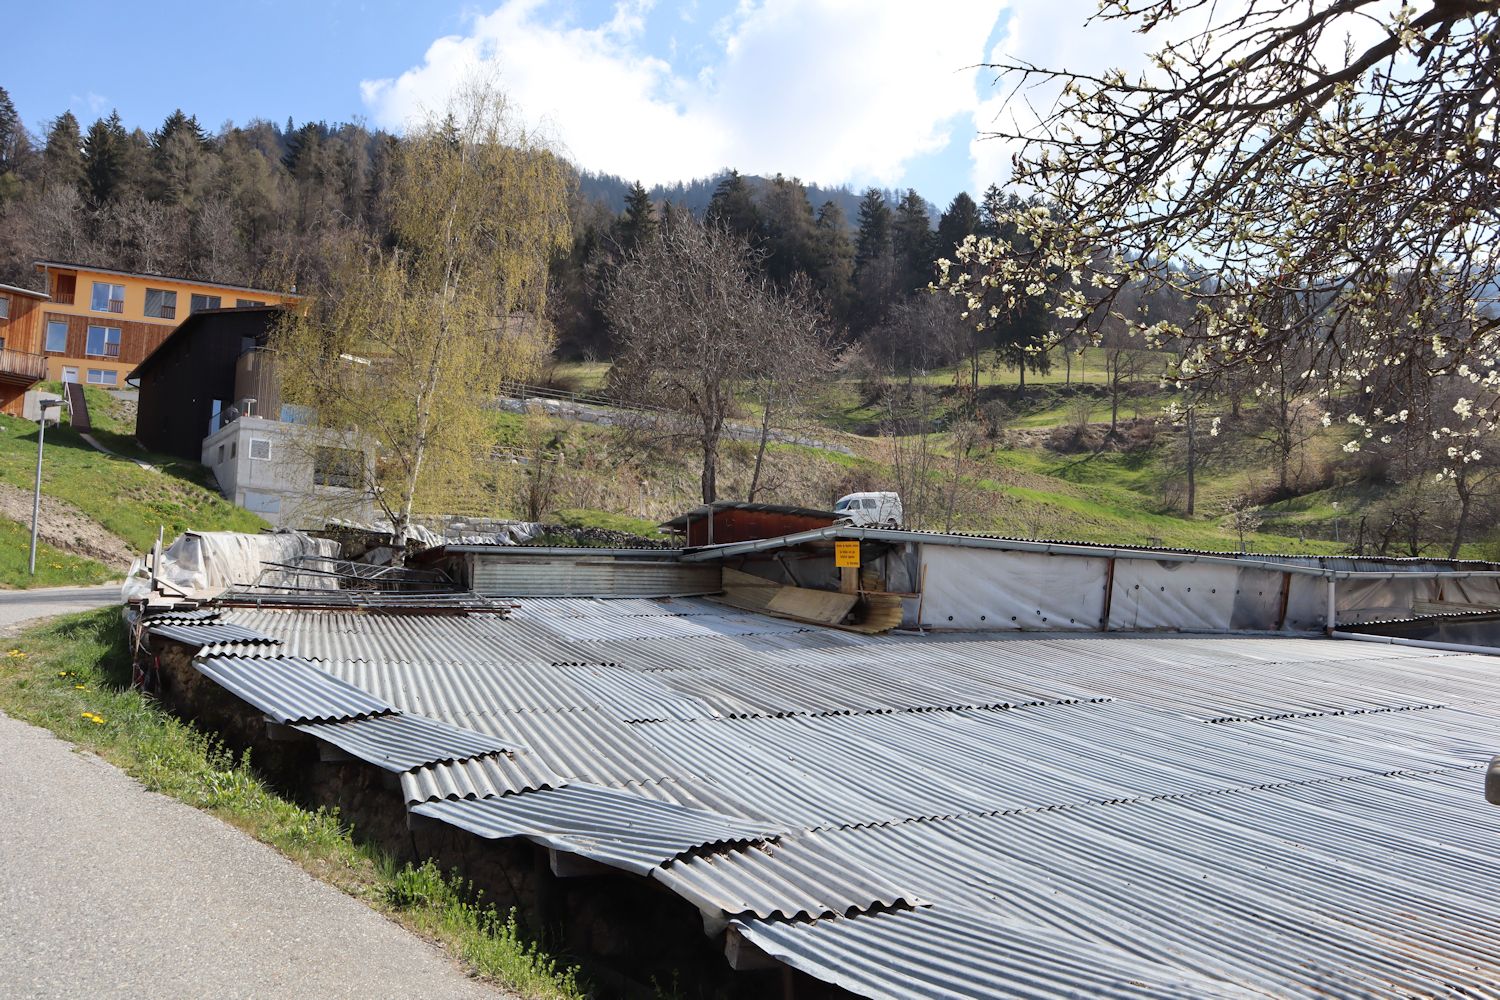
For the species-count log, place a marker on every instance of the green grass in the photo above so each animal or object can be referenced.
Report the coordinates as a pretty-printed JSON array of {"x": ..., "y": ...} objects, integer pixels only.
[
  {"x": 125, "y": 499},
  {"x": 581, "y": 376},
  {"x": 71, "y": 676},
  {"x": 1089, "y": 369},
  {"x": 579, "y": 517},
  {"x": 54, "y": 568}
]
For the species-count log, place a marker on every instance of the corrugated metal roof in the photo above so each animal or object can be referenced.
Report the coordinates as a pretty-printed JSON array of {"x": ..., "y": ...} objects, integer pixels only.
[
  {"x": 479, "y": 777},
  {"x": 951, "y": 952},
  {"x": 1101, "y": 815},
  {"x": 288, "y": 689},
  {"x": 604, "y": 824},
  {"x": 180, "y": 617},
  {"x": 210, "y": 632},
  {"x": 405, "y": 742}
]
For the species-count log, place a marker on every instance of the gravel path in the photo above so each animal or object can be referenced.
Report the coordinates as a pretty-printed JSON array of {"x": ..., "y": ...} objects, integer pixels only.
[{"x": 113, "y": 891}]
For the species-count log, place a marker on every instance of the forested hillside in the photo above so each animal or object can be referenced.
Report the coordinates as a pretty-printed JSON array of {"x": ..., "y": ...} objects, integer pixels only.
[{"x": 1057, "y": 411}]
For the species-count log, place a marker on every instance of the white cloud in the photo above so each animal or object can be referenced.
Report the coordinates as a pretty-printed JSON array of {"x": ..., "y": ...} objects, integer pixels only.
[
  {"x": 1052, "y": 34},
  {"x": 830, "y": 90}
]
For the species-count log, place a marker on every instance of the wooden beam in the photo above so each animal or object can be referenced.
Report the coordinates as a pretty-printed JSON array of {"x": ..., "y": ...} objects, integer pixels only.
[{"x": 1109, "y": 594}]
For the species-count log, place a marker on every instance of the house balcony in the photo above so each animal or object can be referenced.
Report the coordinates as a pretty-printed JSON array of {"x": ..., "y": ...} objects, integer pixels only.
[{"x": 22, "y": 367}]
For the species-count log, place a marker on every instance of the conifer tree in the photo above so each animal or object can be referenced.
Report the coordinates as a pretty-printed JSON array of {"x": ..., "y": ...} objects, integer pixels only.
[
  {"x": 911, "y": 242},
  {"x": 960, "y": 220},
  {"x": 62, "y": 158},
  {"x": 733, "y": 208},
  {"x": 874, "y": 229},
  {"x": 638, "y": 223},
  {"x": 11, "y": 132},
  {"x": 104, "y": 160},
  {"x": 789, "y": 228}
]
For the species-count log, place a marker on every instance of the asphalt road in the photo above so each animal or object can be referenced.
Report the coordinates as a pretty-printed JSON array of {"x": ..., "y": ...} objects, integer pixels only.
[
  {"x": 109, "y": 891},
  {"x": 17, "y": 606}
]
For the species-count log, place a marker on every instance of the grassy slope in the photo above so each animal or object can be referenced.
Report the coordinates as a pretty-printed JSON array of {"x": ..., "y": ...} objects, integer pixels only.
[
  {"x": 71, "y": 676},
  {"x": 54, "y": 568},
  {"x": 1030, "y": 490},
  {"x": 127, "y": 500}
]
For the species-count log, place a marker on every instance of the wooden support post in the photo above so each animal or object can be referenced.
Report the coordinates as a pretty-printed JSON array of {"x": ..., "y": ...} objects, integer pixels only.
[
  {"x": 849, "y": 580},
  {"x": 1109, "y": 594},
  {"x": 1286, "y": 593}
]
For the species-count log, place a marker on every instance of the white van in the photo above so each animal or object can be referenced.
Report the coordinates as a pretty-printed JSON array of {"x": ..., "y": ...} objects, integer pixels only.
[{"x": 880, "y": 510}]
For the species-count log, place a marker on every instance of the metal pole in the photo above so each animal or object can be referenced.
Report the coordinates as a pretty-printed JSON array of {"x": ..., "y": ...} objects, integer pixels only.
[
  {"x": 36, "y": 496},
  {"x": 1332, "y": 606}
]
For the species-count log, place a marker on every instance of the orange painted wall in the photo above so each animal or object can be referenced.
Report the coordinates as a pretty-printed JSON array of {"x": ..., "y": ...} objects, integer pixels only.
[{"x": 139, "y": 333}]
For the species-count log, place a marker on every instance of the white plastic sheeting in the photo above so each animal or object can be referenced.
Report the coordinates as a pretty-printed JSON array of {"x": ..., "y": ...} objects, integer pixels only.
[
  {"x": 984, "y": 589},
  {"x": 206, "y": 563},
  {"x": 994, "y": 589}
]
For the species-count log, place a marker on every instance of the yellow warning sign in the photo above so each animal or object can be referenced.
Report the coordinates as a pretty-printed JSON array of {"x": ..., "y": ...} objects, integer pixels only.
[{"x": 846, "y": 555}]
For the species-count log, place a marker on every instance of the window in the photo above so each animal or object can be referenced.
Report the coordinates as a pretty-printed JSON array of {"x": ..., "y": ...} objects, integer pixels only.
[
  {"x": 868, "y": 503},
  {"x": 201, "y": 302},
  {"x": 339, "y": 467},
  {"x": 234, "y": 449},
  {"x": 2, "y": 343},
  {"x": 247, "y": 303},
  {"x": 262, "y": 503},
  {"x": 57, "y": 336},
  {"x": 291, "y": 414},
  {"x": 4, "y": 307},
  {"x": 103, "y": 342},
  {"x": 161, "y": 304},
  {"x": 260, "y": 447},
  {"x": 70, "y": 374},
  {"x": 221, "y": 456},
  {"x": 108, "y": 298},
  {"x": 103, "y": 376}
]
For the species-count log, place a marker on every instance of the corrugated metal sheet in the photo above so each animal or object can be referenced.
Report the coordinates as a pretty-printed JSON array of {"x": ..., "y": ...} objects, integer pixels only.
[
  {"x": 768, "y": 881},
  {"x": 290, "y": 690},
  {"x": 209, "y": 633},
  {"x": 606, "y": 825},
  {"x": 479, "y": 777},
  {"x": 508, "y": 575},
  {"x": 180, "y": 617},
  {"x": 949, "y": 952},
  {"x": 405, "y": 742},
  {"x": 1094, "y": 815}
]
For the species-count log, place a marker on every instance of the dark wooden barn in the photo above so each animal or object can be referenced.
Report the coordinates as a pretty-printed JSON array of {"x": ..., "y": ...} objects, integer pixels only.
[{"x": 191, "y": 379}]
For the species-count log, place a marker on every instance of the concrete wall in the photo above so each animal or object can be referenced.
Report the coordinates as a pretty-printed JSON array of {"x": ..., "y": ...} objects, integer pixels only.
[{"x": 280, "y": 486}]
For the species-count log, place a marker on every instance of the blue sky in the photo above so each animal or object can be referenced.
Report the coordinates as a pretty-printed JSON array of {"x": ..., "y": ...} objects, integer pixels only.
[{"x": 834, "y": 91}]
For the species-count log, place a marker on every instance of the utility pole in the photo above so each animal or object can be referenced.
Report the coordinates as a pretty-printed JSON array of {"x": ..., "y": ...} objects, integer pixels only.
[{"x": 36, "y": 497}]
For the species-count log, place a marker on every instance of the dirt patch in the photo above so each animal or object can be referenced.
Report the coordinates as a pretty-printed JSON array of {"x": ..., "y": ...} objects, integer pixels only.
[{"x": 65, "y": 527}]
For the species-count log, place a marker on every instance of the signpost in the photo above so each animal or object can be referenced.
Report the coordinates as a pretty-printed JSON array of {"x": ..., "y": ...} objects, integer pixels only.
[{"x": 846, "y": 559}]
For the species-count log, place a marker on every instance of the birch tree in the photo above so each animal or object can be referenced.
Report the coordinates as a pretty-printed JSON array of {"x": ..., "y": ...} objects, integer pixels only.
[{"x": 408, "y": 343}]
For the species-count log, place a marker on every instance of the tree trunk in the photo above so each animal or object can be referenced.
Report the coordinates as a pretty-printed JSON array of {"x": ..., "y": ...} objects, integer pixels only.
[
  {"x": 1192, "y": 465},
  {"x": 710, "y": 481},
  {"x": 1465, "y": 499},
  {"x": 760, "y": 452}
]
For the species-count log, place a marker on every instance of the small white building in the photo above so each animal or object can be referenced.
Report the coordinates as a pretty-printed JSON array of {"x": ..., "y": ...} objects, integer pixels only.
[{"x": 293, "y": 475}]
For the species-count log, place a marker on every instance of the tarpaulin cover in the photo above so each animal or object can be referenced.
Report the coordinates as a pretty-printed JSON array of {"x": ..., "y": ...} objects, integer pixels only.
[{"x": 205, "y": 563}]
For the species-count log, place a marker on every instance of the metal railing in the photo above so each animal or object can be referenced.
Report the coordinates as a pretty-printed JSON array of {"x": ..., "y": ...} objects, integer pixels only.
[{"x": 525, "y": 390}]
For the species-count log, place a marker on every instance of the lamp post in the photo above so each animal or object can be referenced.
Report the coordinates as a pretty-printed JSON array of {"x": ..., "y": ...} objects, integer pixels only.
[{"x": 36, "y": 497}]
